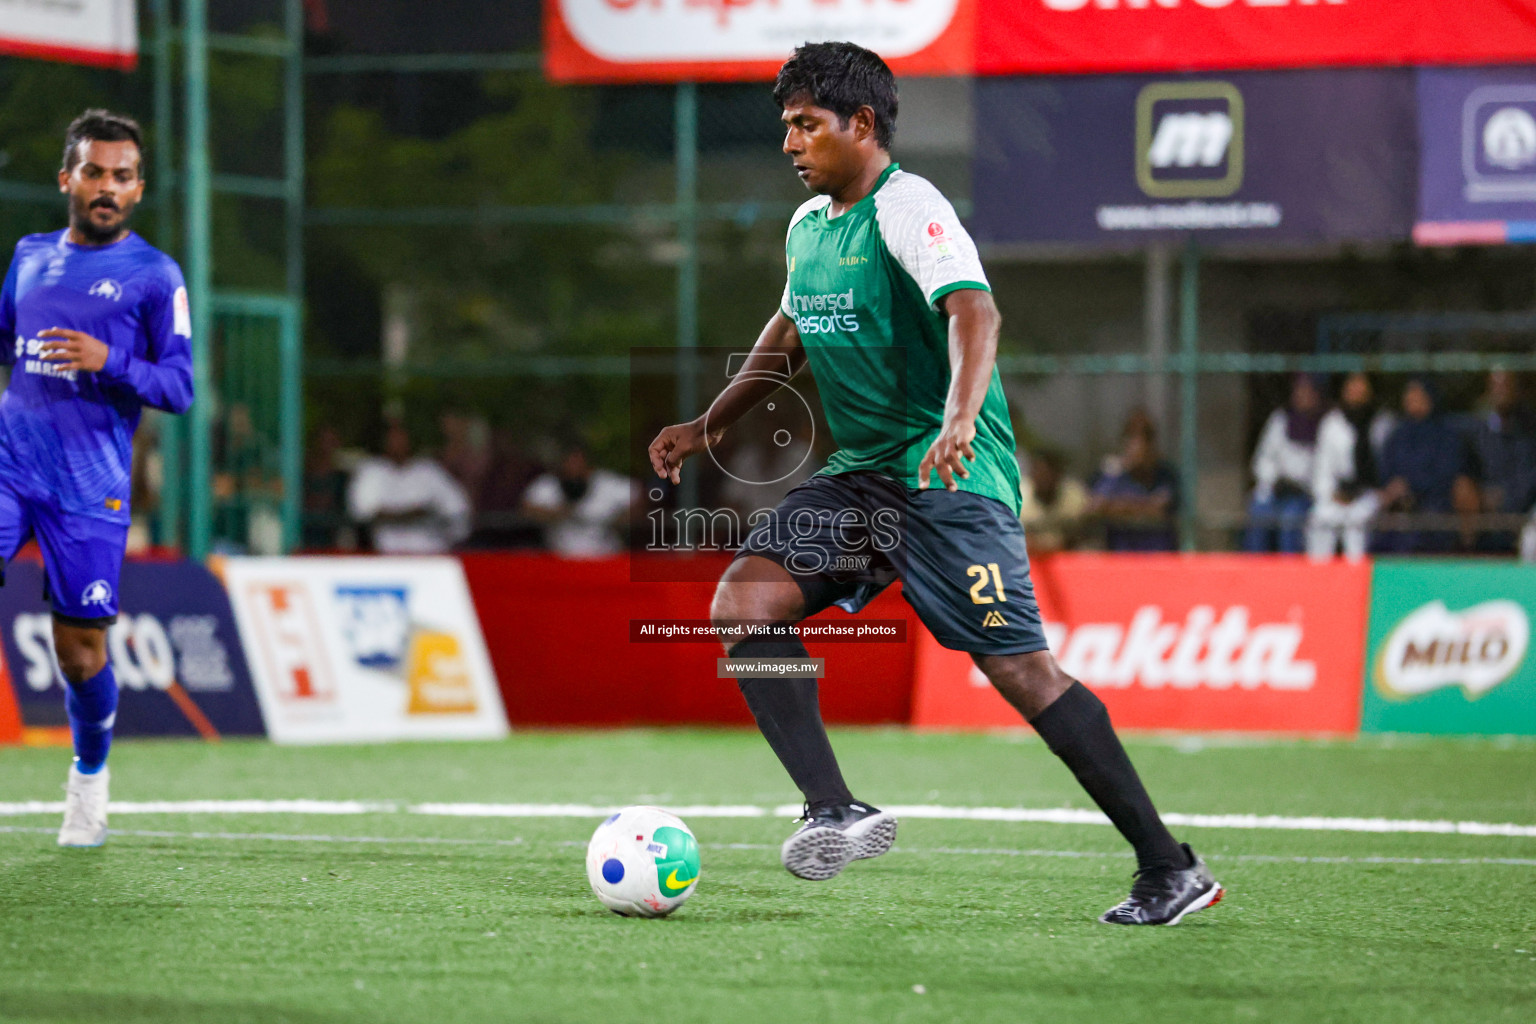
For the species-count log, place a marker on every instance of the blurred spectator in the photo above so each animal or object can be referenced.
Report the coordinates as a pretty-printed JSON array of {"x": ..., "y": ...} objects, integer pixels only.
[
  {"x": 1426, "y": 467},
  {"x": 1282, "y": 470},
  {"x": 465, "y": 453},
  {"x": 146, "y": 482},
  {"x": 1503, "y": 441},
  {"x": 1344, "y": 472},
  {"x": 247, "y": 486},
  {"x": 325, "y": 492},
  {"x": 584, "y": 509},
  {"x": 500, "y": 521},
  {"x": 1054, "y": 504},
  {"x": 411, "y": 505},
  {"x": 1137, "y": 493}
]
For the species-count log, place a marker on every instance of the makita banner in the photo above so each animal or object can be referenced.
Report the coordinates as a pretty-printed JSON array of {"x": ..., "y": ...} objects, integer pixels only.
[
  {"x": 741, "y": 40},
  {"x": 1477, "y": 162},
  {"x": 1201, "y": 642},
  {"x": 100, "y": 32},
  {"x": 1034, "y": 36},
  {"x": 174, "y": 650},
  {"x": 704, "y": 40},
  {"x": 1302, "y": 156},
  {"x": 1450, "y": 648}
]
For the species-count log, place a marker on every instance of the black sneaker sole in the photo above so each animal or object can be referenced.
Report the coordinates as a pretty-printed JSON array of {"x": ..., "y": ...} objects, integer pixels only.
[
  {"x": 873, "y": 835},
  {"x": 817, "y": 854}
]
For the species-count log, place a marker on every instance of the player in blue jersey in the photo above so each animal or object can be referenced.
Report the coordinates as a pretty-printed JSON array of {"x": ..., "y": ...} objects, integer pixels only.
[{"x": 95, "y": 325}]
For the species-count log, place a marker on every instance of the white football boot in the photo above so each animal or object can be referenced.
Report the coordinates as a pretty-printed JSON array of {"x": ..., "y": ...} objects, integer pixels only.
[{"x": 85, "y": 809}]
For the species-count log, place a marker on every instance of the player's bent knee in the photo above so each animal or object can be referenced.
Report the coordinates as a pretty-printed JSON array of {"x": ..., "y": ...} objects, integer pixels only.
[{"x": 81, "y": 651}]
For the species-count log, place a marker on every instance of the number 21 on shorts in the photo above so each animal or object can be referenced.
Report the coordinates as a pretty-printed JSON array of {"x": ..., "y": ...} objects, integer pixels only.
[{"x": 985, "y": 574}]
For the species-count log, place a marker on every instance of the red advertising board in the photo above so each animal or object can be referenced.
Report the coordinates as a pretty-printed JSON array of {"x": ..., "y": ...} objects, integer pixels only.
[
  {"x": 1035, "y": 36},
  {"x": 746, "y": 40},
  {"x": 1197, "y": 642},
  {"x": 677, "y": 40},
  {"x": 561, "y": 640}
]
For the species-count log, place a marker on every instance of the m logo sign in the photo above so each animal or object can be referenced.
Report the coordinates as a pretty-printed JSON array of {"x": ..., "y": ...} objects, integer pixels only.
[{"x": 1189, "y": 140}]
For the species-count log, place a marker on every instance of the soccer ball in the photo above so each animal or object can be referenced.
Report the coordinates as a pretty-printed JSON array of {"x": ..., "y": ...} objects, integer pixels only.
[{"x": 643, "y": 862}]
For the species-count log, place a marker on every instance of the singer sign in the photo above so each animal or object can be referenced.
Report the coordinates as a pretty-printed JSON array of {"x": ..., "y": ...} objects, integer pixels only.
[{"x": 726, "y": 40}]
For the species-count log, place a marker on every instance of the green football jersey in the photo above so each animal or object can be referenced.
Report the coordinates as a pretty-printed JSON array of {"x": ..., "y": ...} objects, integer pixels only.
[{"x": 862, "y": 290}]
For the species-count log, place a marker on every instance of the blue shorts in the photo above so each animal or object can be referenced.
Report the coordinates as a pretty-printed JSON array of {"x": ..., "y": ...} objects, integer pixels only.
[
  {"x": 960, "y": 557},
  {"x": 82, "y": 555}
]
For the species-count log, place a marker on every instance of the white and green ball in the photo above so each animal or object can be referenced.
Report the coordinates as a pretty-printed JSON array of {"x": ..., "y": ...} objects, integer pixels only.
[{"x": 643, "y": 862}]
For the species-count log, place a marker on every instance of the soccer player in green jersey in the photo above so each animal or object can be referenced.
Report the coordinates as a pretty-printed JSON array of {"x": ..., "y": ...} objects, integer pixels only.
[{"x": 886, "y": 300}]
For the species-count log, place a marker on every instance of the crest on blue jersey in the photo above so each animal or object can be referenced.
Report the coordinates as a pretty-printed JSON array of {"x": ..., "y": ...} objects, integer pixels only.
[
  {"x": 107, "y": 288},
  {"x": 99, "y": 592}
]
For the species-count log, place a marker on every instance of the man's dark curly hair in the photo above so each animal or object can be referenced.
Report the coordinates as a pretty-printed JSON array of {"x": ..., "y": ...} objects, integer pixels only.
[
  {"x": 99, "y": 125},
  {"x": 842, "y": 77}
]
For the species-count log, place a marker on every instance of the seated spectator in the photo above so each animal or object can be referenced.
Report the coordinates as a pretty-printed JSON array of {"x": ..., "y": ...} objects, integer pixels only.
[
  {"x": 584, "y": 509},
  {"x": 409, "y": 505},
  {"x": 1425, "y": 464},
  {"x": 500, "y": 520},
  {"x": 325, "y": 492},
  {"x": 1137, "y": 493},
  {"x": 1054, "y": 504},
  {"x": 1344, "y": 471},
  {"x": 1503, "y": 442},
  {"x": 465, "y": 453},
  {"x": 1282, "y": 469}
]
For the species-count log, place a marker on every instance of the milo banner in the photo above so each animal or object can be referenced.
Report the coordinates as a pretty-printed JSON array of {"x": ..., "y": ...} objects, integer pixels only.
[
  {"x": 356, "y": 649},
  {"x": 1449, "y": 648},
  {"x": 174, "y": 650}
]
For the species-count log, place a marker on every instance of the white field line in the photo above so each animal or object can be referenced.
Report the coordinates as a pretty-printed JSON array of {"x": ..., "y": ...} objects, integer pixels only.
[
  {"x": 1249, "y": 858},
  {"x": 1048, "y": 816}
]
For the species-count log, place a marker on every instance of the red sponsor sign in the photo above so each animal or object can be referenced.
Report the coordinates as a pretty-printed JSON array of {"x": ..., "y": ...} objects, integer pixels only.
[
  {"x": 746, "y": 40},
  {"x": 719, "y": 40},
  {"x": 1156, "y": 35},
  {"x": 1213, "y": 642}
]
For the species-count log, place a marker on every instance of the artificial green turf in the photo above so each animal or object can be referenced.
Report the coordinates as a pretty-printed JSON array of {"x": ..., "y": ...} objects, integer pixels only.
[{"x": 995, "y": 921}]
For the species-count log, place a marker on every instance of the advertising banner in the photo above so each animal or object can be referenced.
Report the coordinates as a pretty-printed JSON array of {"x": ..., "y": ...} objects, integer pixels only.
[
  {"x": 364, "y": 649},
  {"x": 174, "y": 649},
  {"x": 1203, "y": 642},
  {"x": 704, "y": 40},
  {"x": 1145, "y": 35},
  {"x": 1266, "y": 156},
  {"x": 1450, "y": 648},
  {"x": 104, "y": 33},
  {"x": 1477, "y": 158},
  {"x": 743, "y": 40}
]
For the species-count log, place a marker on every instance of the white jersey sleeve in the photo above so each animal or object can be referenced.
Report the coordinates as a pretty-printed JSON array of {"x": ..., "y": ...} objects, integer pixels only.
[
  {"x": 807, "y": 208},
  {"x": 921, "y": 230}
]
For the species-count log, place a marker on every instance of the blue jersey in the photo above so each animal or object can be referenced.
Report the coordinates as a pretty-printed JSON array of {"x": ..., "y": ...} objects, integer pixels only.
[{"x": 66, "y": 436}]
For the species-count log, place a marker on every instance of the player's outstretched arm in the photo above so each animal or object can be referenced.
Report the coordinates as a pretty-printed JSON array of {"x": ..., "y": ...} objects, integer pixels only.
[
  {"x": 974, "y": 323},
  {"x": 760, "y": 376}
]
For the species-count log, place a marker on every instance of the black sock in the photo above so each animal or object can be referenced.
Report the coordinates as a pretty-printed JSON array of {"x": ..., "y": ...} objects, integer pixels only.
[
  {"x": 1076, "y": 728},
  {"x": 789, "y": 717}
]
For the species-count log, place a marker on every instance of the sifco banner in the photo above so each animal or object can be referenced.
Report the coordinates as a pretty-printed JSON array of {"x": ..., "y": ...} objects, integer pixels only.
[
  {"x": 1320, "y": 156},
  {"x": 1450, "y": 648},
  {"x": 1477, "y": 162},
  {"x": 174, "y": 649}
]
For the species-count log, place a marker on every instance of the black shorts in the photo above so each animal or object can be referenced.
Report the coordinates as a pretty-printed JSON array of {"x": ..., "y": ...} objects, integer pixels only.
[{"x": 960, "y": 557}]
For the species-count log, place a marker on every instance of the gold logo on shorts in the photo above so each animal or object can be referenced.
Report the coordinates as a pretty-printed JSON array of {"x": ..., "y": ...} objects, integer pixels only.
[{"x": 994, "y": 619}]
